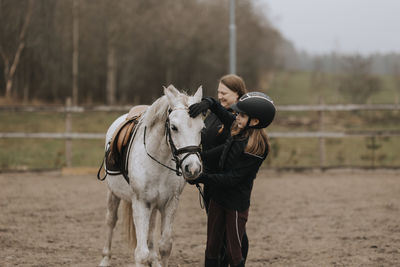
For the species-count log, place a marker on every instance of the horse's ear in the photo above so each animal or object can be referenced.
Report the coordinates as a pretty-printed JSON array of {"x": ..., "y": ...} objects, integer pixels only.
[
  {"x": 172, "y": 94},
  {"x": 198, "y": 95}
]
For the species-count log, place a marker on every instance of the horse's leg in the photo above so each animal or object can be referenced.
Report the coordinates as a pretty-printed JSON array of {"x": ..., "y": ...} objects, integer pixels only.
[
  {"x": 167, "y": 218},
  {"x": 111, "y": 219},
  {"x": 153, "y": 253},
  {"x": 141, "y": 216}
]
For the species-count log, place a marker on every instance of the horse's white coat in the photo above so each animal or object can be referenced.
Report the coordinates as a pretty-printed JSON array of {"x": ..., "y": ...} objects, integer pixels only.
[{"x": 152, "y": 186}]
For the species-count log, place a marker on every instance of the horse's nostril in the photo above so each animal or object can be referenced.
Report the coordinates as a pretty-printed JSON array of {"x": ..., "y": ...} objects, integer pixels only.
[{"x": 187, "y": 168}]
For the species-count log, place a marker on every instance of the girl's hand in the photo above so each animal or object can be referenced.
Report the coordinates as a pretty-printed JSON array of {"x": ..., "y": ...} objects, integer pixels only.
[
  {"x": 199, "y": 180},
  {"x": 201, "y": 107}
]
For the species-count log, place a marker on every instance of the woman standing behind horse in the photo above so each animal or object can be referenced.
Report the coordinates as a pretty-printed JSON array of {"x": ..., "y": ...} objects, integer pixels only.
[
  {"x": 230, "y": 88},
  {"x": 240, "y": 158}
]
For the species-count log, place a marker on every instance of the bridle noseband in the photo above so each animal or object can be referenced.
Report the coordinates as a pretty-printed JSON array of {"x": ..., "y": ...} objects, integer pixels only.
[{"x": 175, "y": 152}]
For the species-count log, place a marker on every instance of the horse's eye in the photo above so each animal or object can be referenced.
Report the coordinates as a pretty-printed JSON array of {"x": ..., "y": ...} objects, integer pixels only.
[{"x": 173, "y": 128}]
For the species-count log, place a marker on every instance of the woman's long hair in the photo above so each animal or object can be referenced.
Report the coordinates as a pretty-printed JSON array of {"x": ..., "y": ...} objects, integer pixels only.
[{"x": 258, "y": 139}]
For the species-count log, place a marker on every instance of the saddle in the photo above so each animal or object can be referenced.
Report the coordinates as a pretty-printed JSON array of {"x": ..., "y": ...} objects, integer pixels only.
[{"x": 117, "y": 153}]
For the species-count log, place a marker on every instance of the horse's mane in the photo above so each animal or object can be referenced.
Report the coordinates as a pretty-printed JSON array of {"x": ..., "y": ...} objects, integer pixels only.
[{"x": 157, "y": 112}]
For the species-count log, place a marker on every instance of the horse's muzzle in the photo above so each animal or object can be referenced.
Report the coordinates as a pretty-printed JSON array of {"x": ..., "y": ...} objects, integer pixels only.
[{"x": 191, "y": 170}]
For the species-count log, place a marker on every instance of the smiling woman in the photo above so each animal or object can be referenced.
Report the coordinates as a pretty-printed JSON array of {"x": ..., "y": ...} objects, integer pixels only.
[
  {"x": 230, "y": 88},
  {"x": 226, "y": 96}
]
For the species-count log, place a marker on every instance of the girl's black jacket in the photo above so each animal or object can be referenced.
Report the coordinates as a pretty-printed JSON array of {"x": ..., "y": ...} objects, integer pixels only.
[
  {"x": 233, "y": 182},
  {"x": 213, "y": 135}
]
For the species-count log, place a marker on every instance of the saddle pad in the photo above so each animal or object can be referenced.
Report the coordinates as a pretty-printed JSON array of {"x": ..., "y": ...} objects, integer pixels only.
[
  {"x": 136, "y": 111},
  {"x": 116, "y": 154}
]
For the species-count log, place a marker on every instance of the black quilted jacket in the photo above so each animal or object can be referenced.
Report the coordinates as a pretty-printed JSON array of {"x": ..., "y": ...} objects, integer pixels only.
[{"x": 233, "y": 182}]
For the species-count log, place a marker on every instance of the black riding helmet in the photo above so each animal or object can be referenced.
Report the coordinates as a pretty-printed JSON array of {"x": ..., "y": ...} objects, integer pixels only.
[{"x": 256, "y": 105}]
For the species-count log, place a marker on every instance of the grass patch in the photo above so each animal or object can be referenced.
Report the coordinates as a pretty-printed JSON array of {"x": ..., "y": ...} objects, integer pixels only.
[
  {"x": 286, "y": 88},
  {"x": 352, "y": 151},
  {"x": 294, "y": 88},
  {"x": 21, "y": 154}
]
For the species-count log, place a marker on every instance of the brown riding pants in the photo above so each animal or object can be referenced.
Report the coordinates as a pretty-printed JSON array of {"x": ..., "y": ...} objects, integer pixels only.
[{"x": 225, "y": 221}]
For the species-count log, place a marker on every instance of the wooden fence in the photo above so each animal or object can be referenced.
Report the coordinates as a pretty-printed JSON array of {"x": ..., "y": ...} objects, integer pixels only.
[{"x": 68, "y": 136}]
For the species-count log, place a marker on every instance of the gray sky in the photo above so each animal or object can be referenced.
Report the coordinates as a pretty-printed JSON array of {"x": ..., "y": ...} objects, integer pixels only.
[{"x": 347, "y": 26}]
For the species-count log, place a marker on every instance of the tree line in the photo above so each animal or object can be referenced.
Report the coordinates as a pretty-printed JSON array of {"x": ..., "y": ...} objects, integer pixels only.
[
  {"x": 356, "y": 77},
  {"x": 124, "y": 50}
]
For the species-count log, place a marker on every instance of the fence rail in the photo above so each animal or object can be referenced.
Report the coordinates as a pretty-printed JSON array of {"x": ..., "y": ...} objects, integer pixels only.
[
  {"x": 68, "y": 136},
  {"x": 79, "y": 109},
  {"x": 270, "y": 134}
]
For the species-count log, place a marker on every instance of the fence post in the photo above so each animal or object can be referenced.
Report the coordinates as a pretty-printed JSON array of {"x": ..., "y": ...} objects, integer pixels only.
[
  {"x": 68, "y": 141},
  {"x": 322, "y": 148}
]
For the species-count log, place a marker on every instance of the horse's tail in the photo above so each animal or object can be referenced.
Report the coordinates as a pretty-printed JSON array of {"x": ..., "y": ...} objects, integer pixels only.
[{"x": 128, "y": 224}]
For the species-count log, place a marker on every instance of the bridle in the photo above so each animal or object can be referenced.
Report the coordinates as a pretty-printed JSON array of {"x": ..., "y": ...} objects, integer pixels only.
[{"x": 189, "y": 150}]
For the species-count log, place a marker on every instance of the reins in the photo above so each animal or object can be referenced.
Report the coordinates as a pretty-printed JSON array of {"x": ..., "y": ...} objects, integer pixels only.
[
  {"x": 153, "y": 158},
  {"x": 175, "y": 152}
]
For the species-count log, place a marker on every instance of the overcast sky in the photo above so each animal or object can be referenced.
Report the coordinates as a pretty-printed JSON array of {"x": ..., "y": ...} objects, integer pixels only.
[{"x": 347, "y": 26}]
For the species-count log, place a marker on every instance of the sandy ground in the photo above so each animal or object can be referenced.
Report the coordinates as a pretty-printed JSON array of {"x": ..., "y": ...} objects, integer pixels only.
[{"x": 308, "y": 219}]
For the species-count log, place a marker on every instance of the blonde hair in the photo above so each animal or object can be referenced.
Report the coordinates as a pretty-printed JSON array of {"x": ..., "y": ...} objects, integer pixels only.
[{"x": 258, "y": 141}]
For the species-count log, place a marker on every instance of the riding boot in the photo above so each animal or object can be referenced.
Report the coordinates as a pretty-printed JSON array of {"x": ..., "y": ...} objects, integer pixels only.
[
  {"x": 245, "y": 246},
  {"x": 241, "y": 264},
  {"x": 222, "y": 257},
  {"x": 211, "y": 262}
]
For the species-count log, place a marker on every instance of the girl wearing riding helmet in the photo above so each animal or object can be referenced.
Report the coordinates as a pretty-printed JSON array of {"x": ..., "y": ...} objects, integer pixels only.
[
  {"x": 230, "y": 88},
  {"x": 240, "y": 157}
]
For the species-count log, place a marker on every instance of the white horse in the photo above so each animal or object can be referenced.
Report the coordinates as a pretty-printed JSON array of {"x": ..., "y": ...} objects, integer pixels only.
[{"x": 165, "y": 131}]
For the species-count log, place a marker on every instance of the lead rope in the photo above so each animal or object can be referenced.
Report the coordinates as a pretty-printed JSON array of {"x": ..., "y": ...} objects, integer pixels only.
[{"x": 201, "y": 196}]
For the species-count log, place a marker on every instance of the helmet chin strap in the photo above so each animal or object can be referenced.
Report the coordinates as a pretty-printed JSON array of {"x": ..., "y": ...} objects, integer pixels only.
[{"x": 248, "y": 124}]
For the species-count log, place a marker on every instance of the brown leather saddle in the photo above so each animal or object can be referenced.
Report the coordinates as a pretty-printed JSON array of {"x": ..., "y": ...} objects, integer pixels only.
[{"x": 117, "y": 153}]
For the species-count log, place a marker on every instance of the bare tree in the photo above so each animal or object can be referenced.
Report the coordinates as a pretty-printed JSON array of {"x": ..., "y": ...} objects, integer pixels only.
[
  {"x": 75, "y": 53},
  {"x": 396, "y": 77},
  {"x": 357, "y": 84},
  {"x": 318, "y": 80},
  {"x": 11, "y": 60},
  {"x": 112, "y": 31},
  {"x": 127, "y": 49}
]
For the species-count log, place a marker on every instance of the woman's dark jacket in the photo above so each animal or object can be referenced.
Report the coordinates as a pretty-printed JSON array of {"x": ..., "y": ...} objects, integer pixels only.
[{"x": 233, "y": 182}]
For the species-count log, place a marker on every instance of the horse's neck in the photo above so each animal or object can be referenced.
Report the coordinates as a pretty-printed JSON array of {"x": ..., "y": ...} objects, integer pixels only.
[
  {"x": 156, "y": 143},
  {"x": 154, "y": 123}
]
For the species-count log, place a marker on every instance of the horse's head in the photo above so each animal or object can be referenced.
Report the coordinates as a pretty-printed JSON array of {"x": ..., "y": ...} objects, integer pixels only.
[{"x": 184, "y": 131}]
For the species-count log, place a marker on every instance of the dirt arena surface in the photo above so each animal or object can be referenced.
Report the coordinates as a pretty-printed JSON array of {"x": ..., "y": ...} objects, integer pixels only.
[{"x": 307, "y": 219}]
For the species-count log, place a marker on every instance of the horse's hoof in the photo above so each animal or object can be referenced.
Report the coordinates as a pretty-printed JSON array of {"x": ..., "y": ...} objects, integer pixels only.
[{"x": 105, "y": 262}]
